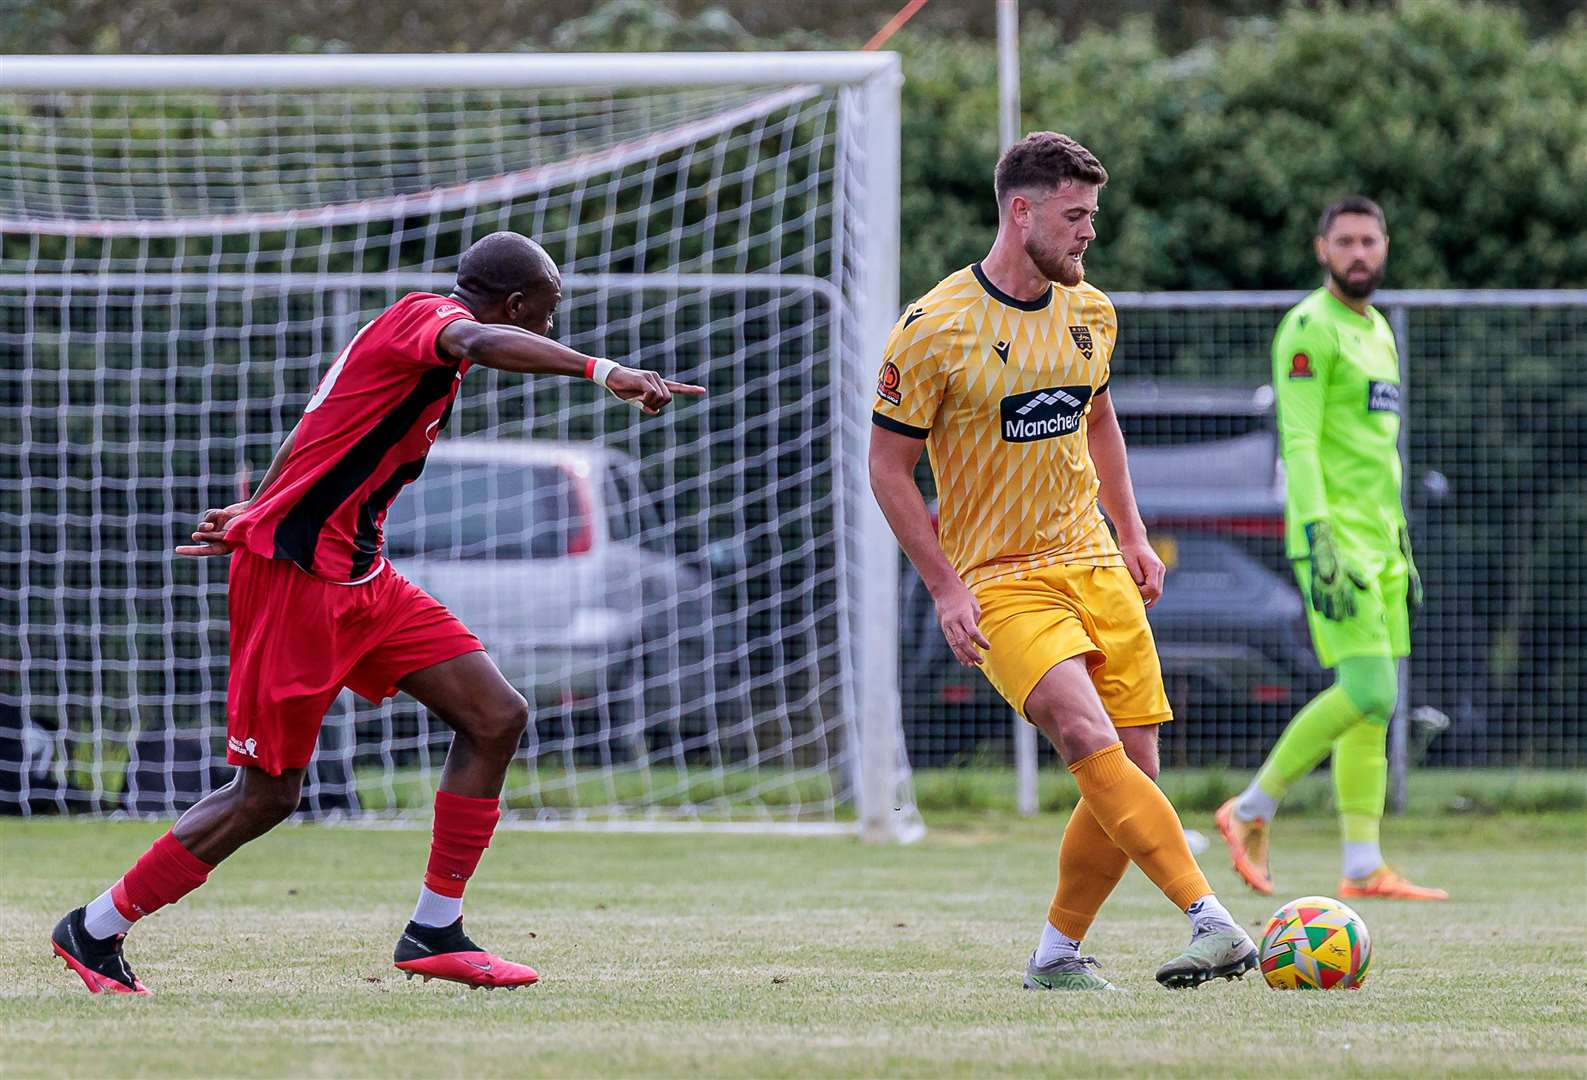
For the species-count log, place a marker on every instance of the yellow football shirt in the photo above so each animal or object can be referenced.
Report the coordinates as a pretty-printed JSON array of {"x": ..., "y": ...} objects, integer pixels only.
[{"x": 1000, "y": 390}]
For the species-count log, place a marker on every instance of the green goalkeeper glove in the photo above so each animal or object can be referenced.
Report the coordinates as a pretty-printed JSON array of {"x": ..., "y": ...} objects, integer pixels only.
[
  {"x": 1331, "y": 577},
  {"x": 1414, "y": 594}
]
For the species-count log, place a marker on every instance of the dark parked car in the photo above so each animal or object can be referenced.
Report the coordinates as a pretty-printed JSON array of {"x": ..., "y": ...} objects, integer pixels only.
[{"x": 1230, "y": 628}]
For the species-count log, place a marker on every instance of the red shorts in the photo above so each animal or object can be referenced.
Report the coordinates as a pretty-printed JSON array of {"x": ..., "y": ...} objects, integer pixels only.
[{"x": 297, "y": 640}]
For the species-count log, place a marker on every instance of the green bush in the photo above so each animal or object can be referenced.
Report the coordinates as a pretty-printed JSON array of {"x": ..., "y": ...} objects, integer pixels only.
[{"x": 1471, "y": 135}]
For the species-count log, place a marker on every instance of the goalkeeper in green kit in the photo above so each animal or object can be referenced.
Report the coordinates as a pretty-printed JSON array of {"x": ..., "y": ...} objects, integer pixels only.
[{"x": 1336, "y": 374}]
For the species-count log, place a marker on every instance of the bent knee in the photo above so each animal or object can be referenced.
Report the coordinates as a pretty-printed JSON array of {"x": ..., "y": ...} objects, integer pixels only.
[
  {"x": 517, "y": 719},
  {"x": 1075, "y": 732},
  {"x": 271, "y": 798},
  {"x": 504, "y": 720},
  {"x": 1147, "y": 763},
  {"x": 1372, "y": 685},
  {"x": 1374, "y": 701}
]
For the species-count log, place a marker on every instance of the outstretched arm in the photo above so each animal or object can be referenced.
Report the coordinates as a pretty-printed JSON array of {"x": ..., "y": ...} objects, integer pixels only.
[
  {"x": 507, "y": 348},
  {"x": 208, "y": 538},
  {"x": 892, "y": 466},
  {"x": 1105, "y": 440}
]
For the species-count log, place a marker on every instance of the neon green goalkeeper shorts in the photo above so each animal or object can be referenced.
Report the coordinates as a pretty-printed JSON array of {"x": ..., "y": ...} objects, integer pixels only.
[{"x": 1381, "y": 625}]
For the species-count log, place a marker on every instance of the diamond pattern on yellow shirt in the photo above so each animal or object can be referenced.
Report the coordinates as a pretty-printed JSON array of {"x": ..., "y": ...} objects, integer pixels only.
[{"x": 1000, "y": 393}]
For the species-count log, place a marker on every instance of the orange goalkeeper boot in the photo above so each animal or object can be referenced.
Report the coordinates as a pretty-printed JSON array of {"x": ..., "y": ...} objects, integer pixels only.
[
  {"x": 1247, "y": 842},
  {"x": 1385, "y": 883}
]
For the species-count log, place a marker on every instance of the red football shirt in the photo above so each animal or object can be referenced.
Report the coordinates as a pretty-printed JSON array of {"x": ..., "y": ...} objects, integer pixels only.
[{"x": 364, "y": 434}]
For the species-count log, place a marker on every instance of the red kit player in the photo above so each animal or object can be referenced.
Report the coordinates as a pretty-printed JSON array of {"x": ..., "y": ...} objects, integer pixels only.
[{"x": 315, "y": 607}]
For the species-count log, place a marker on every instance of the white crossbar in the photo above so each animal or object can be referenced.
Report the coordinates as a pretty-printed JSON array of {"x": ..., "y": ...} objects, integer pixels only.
[{"x": 409, "y": 71}]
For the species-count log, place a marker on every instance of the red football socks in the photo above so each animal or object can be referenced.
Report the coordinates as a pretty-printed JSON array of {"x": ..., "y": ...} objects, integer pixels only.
[
  {"x": 168, "y": 871},
  {"x": 462, "y": 831},
  {"x": 162, "y": 875}
]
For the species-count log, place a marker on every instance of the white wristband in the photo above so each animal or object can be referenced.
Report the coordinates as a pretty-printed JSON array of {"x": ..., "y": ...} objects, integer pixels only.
[{"x": 602, "y": 370}]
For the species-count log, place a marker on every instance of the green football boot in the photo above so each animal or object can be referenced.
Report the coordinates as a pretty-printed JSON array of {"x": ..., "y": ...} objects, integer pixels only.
[
  {"x": 1212, "y": 954},
  {"x": 1066, "y": 973}
]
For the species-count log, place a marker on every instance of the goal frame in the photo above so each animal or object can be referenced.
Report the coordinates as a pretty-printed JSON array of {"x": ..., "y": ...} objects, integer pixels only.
[{"x": 880, "y": 763}]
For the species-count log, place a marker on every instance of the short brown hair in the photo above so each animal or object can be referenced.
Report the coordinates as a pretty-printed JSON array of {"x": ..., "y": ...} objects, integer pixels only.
[
  {"x": 1351, "y": 204},
  {"x": 1045, "y": 159}
]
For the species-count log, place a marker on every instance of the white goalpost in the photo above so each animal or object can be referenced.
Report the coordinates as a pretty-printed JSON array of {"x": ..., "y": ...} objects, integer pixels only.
[{"x": 701, "y": 608}]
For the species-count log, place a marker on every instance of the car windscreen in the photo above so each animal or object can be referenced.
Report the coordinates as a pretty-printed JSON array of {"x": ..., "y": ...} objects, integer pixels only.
[
  {"x": 631, "y": 510},
  {"x": 469, "y": 510}
]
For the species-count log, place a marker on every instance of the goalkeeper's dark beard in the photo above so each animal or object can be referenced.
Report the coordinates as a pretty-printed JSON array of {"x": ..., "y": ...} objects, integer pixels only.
[{"x": 1359, "y": 290}]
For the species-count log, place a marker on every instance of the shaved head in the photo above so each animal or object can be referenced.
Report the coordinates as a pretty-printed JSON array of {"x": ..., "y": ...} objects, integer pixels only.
[
  {"x": 498, "y": 265},
  {"x": 508, "y": 278}
]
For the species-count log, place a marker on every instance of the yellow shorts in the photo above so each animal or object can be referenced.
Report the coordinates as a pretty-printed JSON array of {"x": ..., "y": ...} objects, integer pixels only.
[{"x": 1047, "y": 616}]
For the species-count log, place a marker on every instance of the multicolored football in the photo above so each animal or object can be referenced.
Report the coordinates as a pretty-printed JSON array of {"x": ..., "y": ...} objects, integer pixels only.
[{"x": 1315, "y": 943}]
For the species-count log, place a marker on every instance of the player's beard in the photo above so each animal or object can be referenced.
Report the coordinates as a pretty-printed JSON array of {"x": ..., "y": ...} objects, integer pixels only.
[
  {"x": 1360, "y": 288},
  {"x": 1056, "y": 266}
]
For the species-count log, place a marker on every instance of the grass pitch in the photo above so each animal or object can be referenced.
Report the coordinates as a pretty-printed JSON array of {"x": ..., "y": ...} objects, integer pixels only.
[{"x": 752, "y": 956}]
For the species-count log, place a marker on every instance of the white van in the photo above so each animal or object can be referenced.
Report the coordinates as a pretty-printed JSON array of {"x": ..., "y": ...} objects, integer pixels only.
[{"x": 553, "y": 554}]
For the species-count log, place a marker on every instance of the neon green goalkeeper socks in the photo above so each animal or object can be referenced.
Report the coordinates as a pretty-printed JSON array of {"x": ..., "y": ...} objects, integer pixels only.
[
  {"x": 1307, "y": 740},
  {"x": 1361, "y": 780},
  {"x": 1349, "y": 719},
  {"x": 1361, "y": 764}
]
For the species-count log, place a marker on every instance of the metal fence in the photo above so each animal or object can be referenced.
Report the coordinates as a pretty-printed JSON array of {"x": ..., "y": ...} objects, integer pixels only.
[{"x": 1495, "y": 405}]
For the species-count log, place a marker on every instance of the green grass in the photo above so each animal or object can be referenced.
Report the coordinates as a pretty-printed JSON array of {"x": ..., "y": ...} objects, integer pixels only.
[{"x": 733, "y": 955}]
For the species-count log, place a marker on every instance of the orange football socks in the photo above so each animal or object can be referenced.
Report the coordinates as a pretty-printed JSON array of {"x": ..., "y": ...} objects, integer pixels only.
[
  {"x": 1138, "y": 818},
  {"x": 1089, "y": 865}
]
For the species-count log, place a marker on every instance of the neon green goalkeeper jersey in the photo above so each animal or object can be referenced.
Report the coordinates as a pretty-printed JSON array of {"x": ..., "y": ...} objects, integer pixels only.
[{"x": 1337, "y": 378}]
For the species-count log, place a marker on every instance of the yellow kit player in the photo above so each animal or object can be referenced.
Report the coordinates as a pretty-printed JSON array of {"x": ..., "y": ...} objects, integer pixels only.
[{"x": 1001, "y": 374}]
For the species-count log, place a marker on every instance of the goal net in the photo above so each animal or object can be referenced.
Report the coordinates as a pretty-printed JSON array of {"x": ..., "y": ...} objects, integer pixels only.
[{"x": 699, "y": 607}]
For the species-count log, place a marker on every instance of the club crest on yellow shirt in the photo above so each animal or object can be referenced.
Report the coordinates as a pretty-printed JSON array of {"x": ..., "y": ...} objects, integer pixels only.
[
  {"x": 887, "y": 384},
  {"x": 1082, "y": 339}
]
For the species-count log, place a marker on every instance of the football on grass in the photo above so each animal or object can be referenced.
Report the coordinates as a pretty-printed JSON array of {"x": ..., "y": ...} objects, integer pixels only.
[{"x": 1315, "y": 943}]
